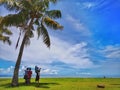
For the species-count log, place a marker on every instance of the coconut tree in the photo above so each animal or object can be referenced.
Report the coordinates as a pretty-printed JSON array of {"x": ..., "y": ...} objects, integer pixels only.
[{"x": 30, "y": 16}]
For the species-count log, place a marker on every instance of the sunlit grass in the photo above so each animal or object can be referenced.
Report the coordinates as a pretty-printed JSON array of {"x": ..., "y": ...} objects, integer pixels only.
[{"x": 63, "y": 84}]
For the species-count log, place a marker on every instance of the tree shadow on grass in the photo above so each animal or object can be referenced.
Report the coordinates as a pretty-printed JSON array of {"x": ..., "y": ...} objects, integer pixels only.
[
  {"x": 3, "y": 79},
  {"x": 116, "y": 84},
  {"x": 40, "y": 85}
]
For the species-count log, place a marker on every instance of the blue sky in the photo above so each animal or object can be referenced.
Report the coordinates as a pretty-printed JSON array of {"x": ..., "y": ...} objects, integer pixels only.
[{"x": 89, "y": 45}]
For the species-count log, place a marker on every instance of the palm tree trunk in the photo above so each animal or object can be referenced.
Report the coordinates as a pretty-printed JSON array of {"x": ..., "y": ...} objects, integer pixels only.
[{"x": 18, "y": 62}]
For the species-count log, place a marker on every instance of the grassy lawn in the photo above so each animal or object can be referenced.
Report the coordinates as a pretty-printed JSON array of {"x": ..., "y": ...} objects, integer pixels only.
[{"x": 64, "y": 84}]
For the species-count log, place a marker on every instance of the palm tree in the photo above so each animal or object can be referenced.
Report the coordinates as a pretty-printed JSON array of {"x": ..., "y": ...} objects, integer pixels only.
[
  {"x": 30, "y": 16},
  {"x": 4, "y": 34}
]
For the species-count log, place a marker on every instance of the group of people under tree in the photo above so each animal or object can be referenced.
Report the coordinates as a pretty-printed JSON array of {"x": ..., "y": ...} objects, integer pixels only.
[{"x": 28, "y": 75}]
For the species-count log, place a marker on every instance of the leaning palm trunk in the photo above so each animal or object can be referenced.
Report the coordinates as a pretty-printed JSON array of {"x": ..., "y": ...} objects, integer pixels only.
[
  {"x": 17, "y": 66},
  {"x": 18, "y": 62}
]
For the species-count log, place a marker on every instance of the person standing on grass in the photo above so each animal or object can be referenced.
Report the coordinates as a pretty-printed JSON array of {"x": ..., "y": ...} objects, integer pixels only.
[
  {"x": 37, "y": 71},
  {"x": 29, "y": 76},
  {"x": 26, "y": 75}
]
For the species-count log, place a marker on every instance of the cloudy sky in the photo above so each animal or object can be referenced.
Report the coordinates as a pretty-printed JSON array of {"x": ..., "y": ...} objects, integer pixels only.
[{"x": 88, "y": 46}]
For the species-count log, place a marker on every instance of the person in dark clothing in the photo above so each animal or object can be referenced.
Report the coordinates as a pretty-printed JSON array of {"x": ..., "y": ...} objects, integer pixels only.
[
  {"x": 37, "y": 71},
  {"x": 37, "y": 76},
  {"x": 26, "y": 75}
]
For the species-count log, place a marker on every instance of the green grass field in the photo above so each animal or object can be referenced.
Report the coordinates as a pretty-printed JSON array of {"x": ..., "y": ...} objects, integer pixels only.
[{"x": 64, "y": 84}]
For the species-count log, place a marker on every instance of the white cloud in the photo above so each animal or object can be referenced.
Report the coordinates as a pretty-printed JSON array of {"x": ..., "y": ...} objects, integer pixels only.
[
  {"x": 111, "y": 52},
  {"x": 74, "y": 55},
  {"x": 49, "y": 71},
  {"x": 9, "y": 70},
  {"x": 83, "y": 73},
  {"x": 88, "y": 5},
  {"x": 78, "y": 25}
]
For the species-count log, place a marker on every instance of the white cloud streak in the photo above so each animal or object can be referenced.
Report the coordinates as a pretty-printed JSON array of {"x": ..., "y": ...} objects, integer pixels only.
[
  {"x": 9, "y": 70},
  {"x": 78, "y": 25},
  {"x": 111, "y": 52},
  {"x": 74, "y": 55},
  {"x": 89, "y": 5}
]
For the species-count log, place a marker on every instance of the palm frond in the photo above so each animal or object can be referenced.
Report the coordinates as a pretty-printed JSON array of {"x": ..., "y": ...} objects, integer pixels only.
[
  {"x": 5, "y": 39},
  {"x": 13, "y": 19},
  {"x": 38, "y": 31},
  {"x": 18, "y": 39},
  {"x": 27, "y": 41},
  {"x": 53, "y": 1},
  {"x": 54, "y": 14},
  {"x": 11, "y": 4},
  {"x": 26, "y": 4},
  {"x": 44, "y": 33},
  {"x": 52, "y": 24},
  {"x": 37, "y": 22},
  {"x": 29, "y": 34},
  {"x": 5, "y": 31}
]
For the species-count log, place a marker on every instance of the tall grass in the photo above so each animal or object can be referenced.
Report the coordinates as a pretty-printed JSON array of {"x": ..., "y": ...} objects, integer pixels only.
[{"x": 63, "y": 84}]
